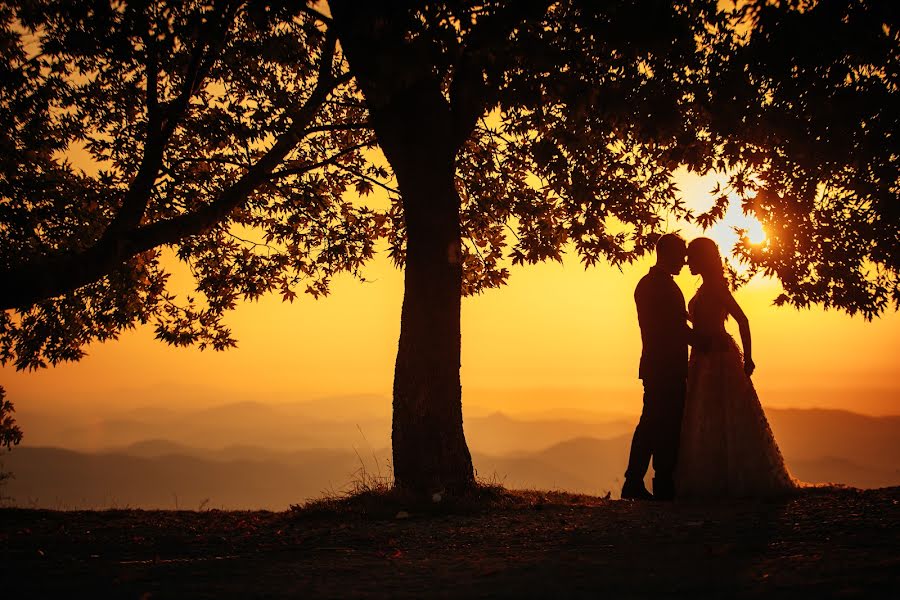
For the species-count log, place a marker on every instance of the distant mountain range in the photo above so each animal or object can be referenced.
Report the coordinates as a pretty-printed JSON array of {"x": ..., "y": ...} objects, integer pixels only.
[
  {"x": 258, "y": 456},
  {"x": 65, "y": 479},
  {"x": 353, "y": 422}
]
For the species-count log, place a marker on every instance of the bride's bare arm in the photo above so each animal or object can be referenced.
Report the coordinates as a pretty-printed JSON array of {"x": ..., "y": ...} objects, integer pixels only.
[{"x": 734, "y": 309}]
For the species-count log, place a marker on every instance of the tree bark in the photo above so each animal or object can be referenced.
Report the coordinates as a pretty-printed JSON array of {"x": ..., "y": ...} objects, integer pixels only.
[
  {"x": 429, "y": 446},
  {"x": 416, "y": 129}
]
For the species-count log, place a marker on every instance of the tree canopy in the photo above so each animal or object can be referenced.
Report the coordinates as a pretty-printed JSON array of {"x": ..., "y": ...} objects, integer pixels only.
[
  {"x": 187, "y": 110},
  {"x": 794, "y": 104},
  {"x": 227, "y": 131},
  {"x": 814, "y": 118}
]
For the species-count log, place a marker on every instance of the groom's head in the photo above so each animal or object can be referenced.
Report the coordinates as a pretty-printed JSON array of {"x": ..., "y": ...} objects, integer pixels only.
[{"x": 670, "y": 253}]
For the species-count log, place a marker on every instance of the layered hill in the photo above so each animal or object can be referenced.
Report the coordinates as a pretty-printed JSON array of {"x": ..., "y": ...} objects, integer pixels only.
[{"x": 256, "y": 456}]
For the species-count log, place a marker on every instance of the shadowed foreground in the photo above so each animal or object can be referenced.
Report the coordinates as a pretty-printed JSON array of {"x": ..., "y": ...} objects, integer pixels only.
[{"x": 827, "y": 542}]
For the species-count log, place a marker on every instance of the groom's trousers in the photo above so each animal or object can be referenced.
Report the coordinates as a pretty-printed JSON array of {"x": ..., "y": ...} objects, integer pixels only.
[{"x": 657, "y": 434}]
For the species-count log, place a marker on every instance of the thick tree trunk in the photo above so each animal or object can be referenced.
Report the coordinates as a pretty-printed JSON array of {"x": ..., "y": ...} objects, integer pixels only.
[
  {"x": 419, "y": 134},
  {"x": 429, "y": 447}
]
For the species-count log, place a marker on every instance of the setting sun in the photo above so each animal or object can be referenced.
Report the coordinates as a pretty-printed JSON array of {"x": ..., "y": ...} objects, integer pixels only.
[
  {"x": 734, "y": 224},
  {"x": 755, "y": 232},
  {"x": 758, "y": 238}
]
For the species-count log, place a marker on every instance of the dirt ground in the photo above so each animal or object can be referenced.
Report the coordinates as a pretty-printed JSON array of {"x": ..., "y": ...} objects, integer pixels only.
[{"x": 834, "y": 542}]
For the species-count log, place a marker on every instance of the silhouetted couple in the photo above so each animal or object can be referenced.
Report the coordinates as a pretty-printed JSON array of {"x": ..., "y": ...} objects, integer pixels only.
[{"x": 702, "y": 423}]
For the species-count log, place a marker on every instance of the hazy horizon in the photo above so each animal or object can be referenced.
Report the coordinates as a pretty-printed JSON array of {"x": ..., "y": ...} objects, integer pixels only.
[
  {"x": 248, "y": 454},
  {"x": 625, "y": 400}
]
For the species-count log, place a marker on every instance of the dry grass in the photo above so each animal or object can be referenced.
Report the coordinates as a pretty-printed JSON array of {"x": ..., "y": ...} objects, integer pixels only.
[{"x": 375, "y": 496}]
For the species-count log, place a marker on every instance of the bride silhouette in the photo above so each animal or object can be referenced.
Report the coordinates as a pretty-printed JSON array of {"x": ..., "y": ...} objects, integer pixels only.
[{"x": 726, "y": 448}]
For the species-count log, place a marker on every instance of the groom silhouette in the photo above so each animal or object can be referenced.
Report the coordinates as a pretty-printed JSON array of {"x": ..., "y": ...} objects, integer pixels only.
[{"x": 664, "y": 364}]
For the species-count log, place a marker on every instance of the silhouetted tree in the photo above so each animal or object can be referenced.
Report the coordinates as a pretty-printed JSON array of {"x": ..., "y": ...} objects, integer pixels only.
[
  {"x": 566, "y": 121},
  {"x": 227, "y": 130},
  {"x": 10, "y": 433},
  {"x": 563, "y": 122},
  {"x": 517, "y": 128}
]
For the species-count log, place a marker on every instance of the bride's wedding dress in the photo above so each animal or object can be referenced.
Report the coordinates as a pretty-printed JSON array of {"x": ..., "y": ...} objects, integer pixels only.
[{"x": 727, "y": 449}]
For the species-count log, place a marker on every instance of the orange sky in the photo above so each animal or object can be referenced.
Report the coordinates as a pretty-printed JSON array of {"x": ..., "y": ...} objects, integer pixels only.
[{"x": 556, "y": 337}]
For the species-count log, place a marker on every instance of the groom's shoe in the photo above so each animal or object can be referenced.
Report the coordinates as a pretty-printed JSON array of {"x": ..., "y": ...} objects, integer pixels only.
[{"x": 635, "y": 490}]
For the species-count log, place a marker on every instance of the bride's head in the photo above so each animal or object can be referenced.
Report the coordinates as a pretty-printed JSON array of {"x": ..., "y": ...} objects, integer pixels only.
[{"x": 703, "y": 258}]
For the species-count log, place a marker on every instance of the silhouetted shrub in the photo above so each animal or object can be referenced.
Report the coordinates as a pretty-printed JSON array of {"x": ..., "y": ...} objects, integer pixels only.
[{"x": 10, "y": 434}]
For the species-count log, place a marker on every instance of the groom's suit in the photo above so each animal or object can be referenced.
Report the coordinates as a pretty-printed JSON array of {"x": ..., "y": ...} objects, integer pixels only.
[{"x": 664, "y": 363}]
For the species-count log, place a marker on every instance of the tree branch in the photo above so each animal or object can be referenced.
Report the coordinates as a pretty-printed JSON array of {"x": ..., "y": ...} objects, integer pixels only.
[
  {"x": 469, "y": 95},
  {"x": 319, "y": 16},
  {"x": 338, "y": 127},
  {"x": 369, "y": 179},
  {"x": 305, "y": 168},
  {"x": 203, "y": 56},
  {"x": 37, "y": 280},
  {"x": 134, "y": 201},
  {"x": 206, "y": 159},
  {"x": 163, "y": 119}
]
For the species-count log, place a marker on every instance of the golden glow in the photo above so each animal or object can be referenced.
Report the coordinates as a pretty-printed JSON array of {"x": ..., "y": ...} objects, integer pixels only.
[
  {"x": 726, "y": 231},
  {"x": 755, "y": 232},
  {"x": 557, "y": 337},
  {"x": 757, "y": 237}
]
